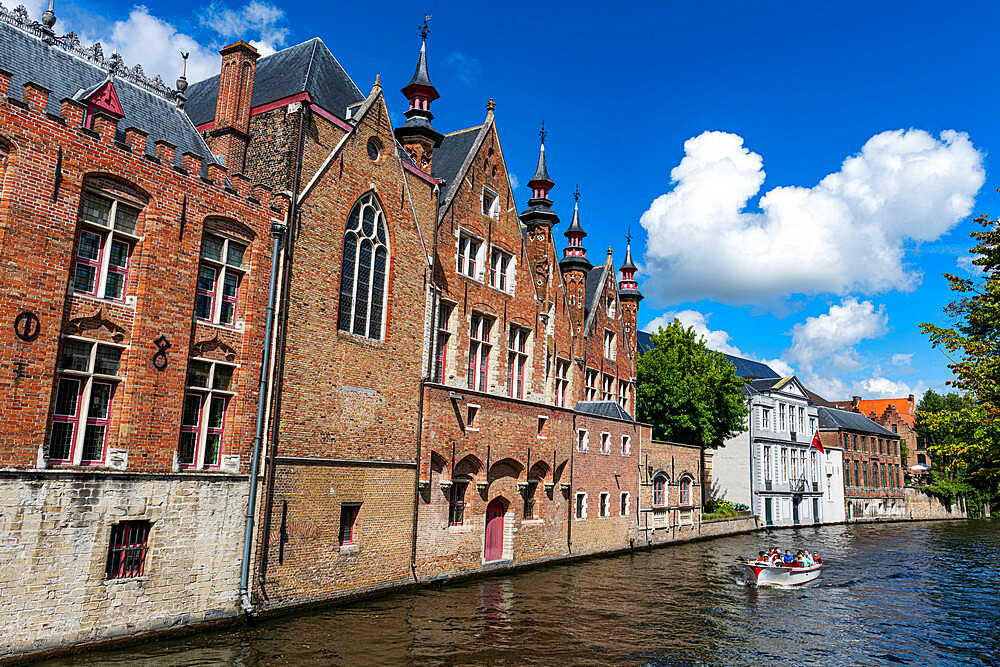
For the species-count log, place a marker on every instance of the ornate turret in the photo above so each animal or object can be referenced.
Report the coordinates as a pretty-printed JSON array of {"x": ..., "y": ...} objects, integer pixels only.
[
  {"x": 417, "y": 136},
  {"x": 539, "y": 219},
  {"x": 574, "y": 254},
  {"x": 628, "y": 288}
]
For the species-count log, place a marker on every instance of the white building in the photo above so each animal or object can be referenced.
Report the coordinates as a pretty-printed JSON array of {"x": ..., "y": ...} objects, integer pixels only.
[{"x": 772, "y": 466}]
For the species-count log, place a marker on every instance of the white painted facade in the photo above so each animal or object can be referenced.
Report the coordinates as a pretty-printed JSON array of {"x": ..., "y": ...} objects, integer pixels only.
[{"x": 833, "y": 496}]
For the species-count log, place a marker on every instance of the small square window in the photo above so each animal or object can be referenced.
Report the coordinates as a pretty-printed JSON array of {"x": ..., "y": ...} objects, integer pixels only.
[
  {"x": 605, "y": 443},
  {"x": 626, "y": 445},
  {"x": 348, "y": 518},
  {"x": 581, "y": 506},
  {"x": 581, "y": 440},
  {"x": 491, "y": 203},
  {"x": 127, "y": 549},
  {"x": 472, "y": 418},
  {"x": 543, "y": 421}
]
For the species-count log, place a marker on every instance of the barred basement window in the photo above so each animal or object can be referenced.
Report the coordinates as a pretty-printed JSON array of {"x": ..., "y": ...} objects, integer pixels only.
[
  {"x": 364, "y": 270},
  {"x": 219, "y": 278},
  {"x": 87, "y": 380},
  {"x": 127, "y": 549},
  {"x": 104, "y": 247},
  {"x": 529, "y": 499},
  {"x": 456, "y": 504},
  {"x": 209, "y": 389}
]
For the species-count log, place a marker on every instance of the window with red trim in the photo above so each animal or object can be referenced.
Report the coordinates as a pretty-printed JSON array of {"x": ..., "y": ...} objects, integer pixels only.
[
  {"x": 659, "y": 491},
  {"x": 479, "y": 351},
  {"x": 203, "y": 419},
  {"x": 81, "y": 415},
  {"x": 127, "y": 549},
  {"x": 686, "y": 491},
  {"x": 220, "y": 276},
  {"x": 443, "y": 335},
  {"x": 104, "y": 247},
  {"x": 348, "y": 519},
  {"x": 517, "y": 358}
]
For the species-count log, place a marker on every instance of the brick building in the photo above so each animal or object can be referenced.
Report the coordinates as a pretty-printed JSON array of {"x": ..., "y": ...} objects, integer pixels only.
[
  {"x": 899, "y": 415},
  {"x": 873, "y": 476},
  {"x": 136, "y": 271},
  {"x": 670, "y": 497}
]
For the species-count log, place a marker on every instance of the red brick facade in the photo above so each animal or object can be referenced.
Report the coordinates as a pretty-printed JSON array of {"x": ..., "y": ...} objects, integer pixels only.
[{"x": 666, "y": 513}]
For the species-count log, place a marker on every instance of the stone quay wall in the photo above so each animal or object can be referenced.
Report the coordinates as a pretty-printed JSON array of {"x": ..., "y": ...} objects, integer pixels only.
[
  {"x": 54, "y": 591},
  {"x": 921, "y": 506}
]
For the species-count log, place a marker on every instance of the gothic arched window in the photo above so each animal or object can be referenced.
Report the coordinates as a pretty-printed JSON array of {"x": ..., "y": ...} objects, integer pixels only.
[{"x": 364, "y": 270}]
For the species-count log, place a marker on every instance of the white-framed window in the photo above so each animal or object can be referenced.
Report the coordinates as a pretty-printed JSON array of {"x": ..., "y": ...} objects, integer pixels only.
[
  {"x": 469, "y": 250},
  {"x": 812, "y": 425},
  {"x": 104, "y": 245},
  {"x": 685, "y": 491},
  {"x": 765, "y": 418},
  {"x": 479, "y": 351},
  {"x": 781, "y": 416},
  {"x": 580, "y": 506},
  {"x": 208, "y": 390},
  {"x": 609, "y": 344},
  {"x": 443, "y": 336},
  {"x": 562, "y": 382},
  {"x": 623, "y": 394},
  {"x": 604, "y": 501},
  {"x": 767, "y": 463},
  {"x": 582, "y": 440},
  {"x": 591, "y": 386},
  {"x": 795, "y": 465},
  {"x": 220, "y": 276},
  {"x": 88, "y": 376},
  {"x": 500, "y": 270},
  {"x": 624, "y": 505},
  {"x": 364, "y": 270},
  {"x": 491, "y": 203},
  {"x": 605, "y": 443},
  {"x": 802, "y": 420},
  {"x": 517, "y": 359},
  {"x": 608, "y": 388},
  {"x": 543, "y": 426},
  {"x": 784, "y": 464},
  {"x": 626, "y": 445}
]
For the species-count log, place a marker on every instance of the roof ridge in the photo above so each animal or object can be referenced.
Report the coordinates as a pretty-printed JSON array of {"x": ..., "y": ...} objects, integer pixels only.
[
  {"x": 342, "y": 68},
  {"x": 468, "y": 129}
]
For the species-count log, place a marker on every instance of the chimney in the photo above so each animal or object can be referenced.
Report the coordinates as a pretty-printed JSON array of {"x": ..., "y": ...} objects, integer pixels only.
[
  {"x": 855, "y": 402},
  {"x": 909, "y": 404},
  {"x": 230, "y": 135}
]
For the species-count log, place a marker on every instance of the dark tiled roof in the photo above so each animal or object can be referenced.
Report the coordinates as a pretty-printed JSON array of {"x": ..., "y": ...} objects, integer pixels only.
[
  {"x": 307, "y": 67},
  {"x": 450, "y": 156},
  {"x": 592, "y": 293},
  {"x": 643, "y": 341},
  {"x": 603, "y": 409},
  {"x": 748, "y": 369},
  {"x": 29, "y": 59},
  {"x": 831, "y": 418},
  {"x": 817, "y": 399},
  {"x": 765, "y": 384}
]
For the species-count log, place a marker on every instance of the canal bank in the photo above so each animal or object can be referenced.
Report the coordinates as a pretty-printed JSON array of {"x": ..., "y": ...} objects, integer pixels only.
[{"x": 883, "y": 599}]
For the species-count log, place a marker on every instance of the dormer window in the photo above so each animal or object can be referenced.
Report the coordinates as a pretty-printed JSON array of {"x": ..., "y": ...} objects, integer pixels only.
[{"x": 491, "y": 203}]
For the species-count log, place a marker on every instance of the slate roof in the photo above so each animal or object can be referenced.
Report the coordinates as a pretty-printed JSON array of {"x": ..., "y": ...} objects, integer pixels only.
[
  {"x": 643, "y": 341},
  {"x": 603, "y": 409},
  {"x": 745, "y": 368},
  {"x": 450, "y": 156},
  {"x": 307, "y": 67},
  {"x": 29, "y": 59},
  {"x": 832, "y": 419},
  {"x": 592, "y": 293}
]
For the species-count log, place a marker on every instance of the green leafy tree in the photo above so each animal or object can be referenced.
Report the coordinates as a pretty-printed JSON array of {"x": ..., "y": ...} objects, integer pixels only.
[
  {"x": 689, "y": 393},
  {"x": 965, "y": 439},
  {"x": 935, "y": 437}
]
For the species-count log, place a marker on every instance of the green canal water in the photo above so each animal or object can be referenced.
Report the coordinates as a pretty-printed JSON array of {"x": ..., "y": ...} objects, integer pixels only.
[{"x": 917, "y": 593}]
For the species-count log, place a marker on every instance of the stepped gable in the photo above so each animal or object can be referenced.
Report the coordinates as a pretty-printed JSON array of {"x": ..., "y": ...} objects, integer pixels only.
[
  {"x": 305, "y": 68},
  {"x": 68, "y": 76}
]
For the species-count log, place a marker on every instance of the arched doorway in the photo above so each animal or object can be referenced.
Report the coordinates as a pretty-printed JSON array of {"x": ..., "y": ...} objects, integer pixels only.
[{"x": 493, "y": 549}]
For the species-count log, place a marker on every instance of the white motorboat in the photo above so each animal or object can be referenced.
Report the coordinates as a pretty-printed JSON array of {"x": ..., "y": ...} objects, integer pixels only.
[{"x": 777, "y": 575}]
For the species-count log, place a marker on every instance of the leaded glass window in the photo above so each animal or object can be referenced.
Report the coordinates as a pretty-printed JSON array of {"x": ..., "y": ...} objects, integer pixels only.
[{"x": 364, "y": 270}]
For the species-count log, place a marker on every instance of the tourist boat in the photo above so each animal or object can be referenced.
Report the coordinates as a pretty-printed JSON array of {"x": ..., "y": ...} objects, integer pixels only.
[{"x": 776, "y": 575}]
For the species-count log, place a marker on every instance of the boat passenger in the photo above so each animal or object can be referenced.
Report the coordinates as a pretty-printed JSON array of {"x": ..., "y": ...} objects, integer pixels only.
[
  {"x": 816, "y": 558},
  {"x": 761, "y": 558},
  {"x": 806, "y": 559},
  {"x": 787, "y": 559}
]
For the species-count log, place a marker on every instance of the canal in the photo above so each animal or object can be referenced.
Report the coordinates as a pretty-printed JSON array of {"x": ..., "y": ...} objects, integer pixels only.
[{"x": 917, "y": 593}]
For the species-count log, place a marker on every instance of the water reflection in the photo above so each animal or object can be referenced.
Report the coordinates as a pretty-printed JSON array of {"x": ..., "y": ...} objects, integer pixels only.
[{"x": 925, "y": 593}]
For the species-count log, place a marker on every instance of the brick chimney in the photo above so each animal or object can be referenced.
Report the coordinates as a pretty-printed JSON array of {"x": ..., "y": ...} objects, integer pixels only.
[
  {"x": 230, "y": 135},
  {"x": 855, "y": 402}
]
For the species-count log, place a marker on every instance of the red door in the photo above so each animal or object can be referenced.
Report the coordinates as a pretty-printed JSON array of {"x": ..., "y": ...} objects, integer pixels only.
[{"x": 494, "y": 530}]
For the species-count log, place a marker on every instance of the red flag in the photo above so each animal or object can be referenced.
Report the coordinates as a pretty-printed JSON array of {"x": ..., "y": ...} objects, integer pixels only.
[{"x": 817, "y": 444}]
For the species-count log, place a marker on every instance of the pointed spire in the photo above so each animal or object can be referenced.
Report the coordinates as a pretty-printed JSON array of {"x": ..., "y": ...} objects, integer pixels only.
[
  {"x": 628, "y": 265},
  {"x": 574, "y": 254},
  {"x": 575, "y": 228},
  {"x": 417, "y": 135},
  {"x": 420, "y": 91},
  {"x": 541, "y": 182},
  {"x": 628, "y": 288}
]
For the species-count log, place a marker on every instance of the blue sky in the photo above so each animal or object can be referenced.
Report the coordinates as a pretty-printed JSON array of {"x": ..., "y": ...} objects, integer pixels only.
[{"x": 831, "y": 280}]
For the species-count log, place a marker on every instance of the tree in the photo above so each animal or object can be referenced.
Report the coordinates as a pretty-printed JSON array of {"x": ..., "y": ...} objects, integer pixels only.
[
  {"x": 965, "y": 439},
  {"x": 689, "y": 393},
  {"x": 937, "y": 438}
]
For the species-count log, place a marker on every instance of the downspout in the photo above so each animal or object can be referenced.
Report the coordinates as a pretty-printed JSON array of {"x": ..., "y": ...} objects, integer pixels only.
[
  {"x": 416, "y": 483},
  {"x": 277, "y": 234},
  {"x": 279, "y": 365}
]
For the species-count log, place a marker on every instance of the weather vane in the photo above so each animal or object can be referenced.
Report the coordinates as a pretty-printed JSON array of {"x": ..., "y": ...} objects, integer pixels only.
[
  {"x": 542, "y": 133},
  {"x": 576, "y": 194},
  {"x": 424, "y": 29},
  {"x": 628, "y": 234}
]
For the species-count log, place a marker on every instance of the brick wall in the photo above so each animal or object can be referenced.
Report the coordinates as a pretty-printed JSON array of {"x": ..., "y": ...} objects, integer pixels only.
[{"x": 669, "y": 520}]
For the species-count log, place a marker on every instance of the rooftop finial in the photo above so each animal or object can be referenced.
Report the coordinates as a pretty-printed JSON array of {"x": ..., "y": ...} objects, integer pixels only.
[
  {"x": 542, "y": 133},
  {"x": 424, "y": 29},
  {"x": 49, "y": 20},
  {"x": 491, "y": 105},
  {"x": 182, "y": 82},
  {"x": 576, "y": 194},
  {"x": 628, "y": 236}
]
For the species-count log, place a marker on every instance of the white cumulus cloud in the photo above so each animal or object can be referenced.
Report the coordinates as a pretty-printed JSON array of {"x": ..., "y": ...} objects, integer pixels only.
[
  {"x": 847, "y": 233},
  {"x": 263, "y": 19},
  {"x": 831, "y": 337}
]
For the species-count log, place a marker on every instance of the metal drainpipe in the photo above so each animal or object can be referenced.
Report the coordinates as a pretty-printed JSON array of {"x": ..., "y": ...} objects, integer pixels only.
[
  {"x": 286, "y": 283},
  {"x": 277, "y": 233},
  {"x": 572, "y": 501},
  {"x": 416, "y": 483}
]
